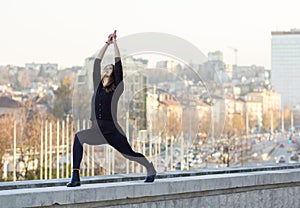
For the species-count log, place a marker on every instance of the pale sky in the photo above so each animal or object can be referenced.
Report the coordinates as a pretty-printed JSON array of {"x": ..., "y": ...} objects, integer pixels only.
[{"x": 68, "y": 31}]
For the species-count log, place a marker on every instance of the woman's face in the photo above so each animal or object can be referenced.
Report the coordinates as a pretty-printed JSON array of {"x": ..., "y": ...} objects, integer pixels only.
[{"x": 108, "y": 70}]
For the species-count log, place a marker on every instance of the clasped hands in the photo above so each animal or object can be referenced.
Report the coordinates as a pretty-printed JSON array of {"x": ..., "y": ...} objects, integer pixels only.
[{"x": 112, "y": 37}]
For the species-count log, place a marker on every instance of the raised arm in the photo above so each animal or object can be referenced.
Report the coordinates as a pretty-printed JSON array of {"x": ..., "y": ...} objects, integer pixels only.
[
  {"x": 117, "y": 51},
  {"x": 118, "y": 72},
  {"x": 97, "y": 63},
  {"x": 103, "y": 50}
]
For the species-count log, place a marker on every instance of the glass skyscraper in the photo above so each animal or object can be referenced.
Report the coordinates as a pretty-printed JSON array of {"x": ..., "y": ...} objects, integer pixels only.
[{"x": 286, "y": 65}]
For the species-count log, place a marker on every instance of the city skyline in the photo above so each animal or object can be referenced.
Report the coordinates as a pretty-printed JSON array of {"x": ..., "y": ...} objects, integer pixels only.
[{"x": 67, "y": 32}]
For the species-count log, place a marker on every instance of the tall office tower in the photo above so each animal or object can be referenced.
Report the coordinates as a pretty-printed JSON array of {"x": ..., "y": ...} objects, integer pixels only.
[{"x": 286, "y": 65}]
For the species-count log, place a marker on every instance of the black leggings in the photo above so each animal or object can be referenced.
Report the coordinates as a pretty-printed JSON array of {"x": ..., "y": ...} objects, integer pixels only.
[
  {"x": 77, "y": 153},
  {"x": 108, "y": 134}
]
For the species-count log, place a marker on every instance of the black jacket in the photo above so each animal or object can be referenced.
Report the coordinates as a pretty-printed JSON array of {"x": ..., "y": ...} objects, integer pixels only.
[{"x": 105, "y": 104}]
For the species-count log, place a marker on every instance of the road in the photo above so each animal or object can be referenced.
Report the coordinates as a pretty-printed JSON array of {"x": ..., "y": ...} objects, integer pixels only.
[
  {"x": 285, "y": 149},
  {"x": 256, "y": 153},
  {"x": 267, "y": 152}
]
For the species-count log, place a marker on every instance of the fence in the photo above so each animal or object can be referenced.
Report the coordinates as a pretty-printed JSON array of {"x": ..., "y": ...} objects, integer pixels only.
[{"x": 53, "y": 157}]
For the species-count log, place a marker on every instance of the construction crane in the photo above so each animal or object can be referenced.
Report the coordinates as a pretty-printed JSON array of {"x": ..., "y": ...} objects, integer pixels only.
[{"x": 235, "y": 50}]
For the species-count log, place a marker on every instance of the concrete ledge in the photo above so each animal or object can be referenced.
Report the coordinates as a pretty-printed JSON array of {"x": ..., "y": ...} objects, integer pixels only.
[
  {"x": 251, "y": 189},
  {"x": 135, "y": 177}
]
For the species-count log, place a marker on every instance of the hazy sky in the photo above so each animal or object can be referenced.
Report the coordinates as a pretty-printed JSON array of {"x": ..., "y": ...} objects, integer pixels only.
[{"x": 67, "y": 31}]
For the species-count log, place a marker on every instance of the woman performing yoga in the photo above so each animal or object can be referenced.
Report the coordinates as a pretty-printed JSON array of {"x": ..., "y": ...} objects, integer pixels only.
[{"x": 108, "y": 87}]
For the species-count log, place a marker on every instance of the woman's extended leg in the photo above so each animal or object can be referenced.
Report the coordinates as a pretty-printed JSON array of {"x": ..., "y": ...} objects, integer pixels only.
[{"x": 120, "y": 143}]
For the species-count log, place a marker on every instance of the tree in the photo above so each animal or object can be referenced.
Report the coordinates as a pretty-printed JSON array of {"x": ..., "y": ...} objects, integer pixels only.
[
  {"x": 42, "y": 72},
  {"x": 63, "y": 98},
  {"x": 234, "y": 127},
  {"x": 82, "y": 102},
  {"x": 287, "y": 115},
  {"x": 29, "y": 133},
  {"x": 204, "y": 126},
  {"x": 267, "y": 120},
  {"x": 173, "y": 125},
  {"x": 28, "y": 127},
  {"x": 190, "y": 123},
  {"x": 238, "y": 124},
  {"x": 6, "y": 135},
  {"x": 253, "y": 123}
]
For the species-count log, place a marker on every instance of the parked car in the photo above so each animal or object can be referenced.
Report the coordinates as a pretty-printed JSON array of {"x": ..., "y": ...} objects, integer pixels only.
[
  {"x": 281, "y": 159},
  {"x": 294, "y": 158}
]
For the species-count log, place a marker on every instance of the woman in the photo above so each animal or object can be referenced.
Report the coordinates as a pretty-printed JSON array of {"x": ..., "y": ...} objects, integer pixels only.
[{"x": 108, "y": 87}]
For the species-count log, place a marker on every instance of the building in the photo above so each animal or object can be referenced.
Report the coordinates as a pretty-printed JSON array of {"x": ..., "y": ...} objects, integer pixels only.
[
  {"x": 164, "y": 113},
  {"x": 285, "y": 54},
  {"x": 8, "y": 106},
  {"x": 251, "y": 78},
  {"x": 38, "y": 66},
  {"x": 214, "y": 68},
  {"x": 270, "y": 100},
  {"x": 255, "y": 114},
  {"x": 270, "y": 108},
  {"x": 171, "y": 65}
]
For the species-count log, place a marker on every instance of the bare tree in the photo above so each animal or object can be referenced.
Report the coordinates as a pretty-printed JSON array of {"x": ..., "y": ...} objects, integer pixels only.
[
  {"x": 63, "y": 98},
  {"x": 6, "y": 136},
  {"x": 28, "y": 138},
  {"x": 234, "y": 127}
]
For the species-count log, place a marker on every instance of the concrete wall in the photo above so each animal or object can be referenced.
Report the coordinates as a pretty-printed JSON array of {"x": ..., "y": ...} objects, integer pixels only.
[{"x": 276, "y": 188}]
